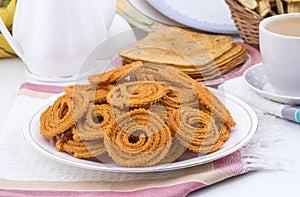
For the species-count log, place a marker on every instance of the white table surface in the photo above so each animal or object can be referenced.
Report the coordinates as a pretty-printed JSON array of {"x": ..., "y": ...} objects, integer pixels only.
[{"x": 258, "y": 183}]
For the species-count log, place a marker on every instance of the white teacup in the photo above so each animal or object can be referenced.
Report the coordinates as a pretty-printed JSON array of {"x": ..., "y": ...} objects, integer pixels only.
[
  {"x": 53, "y": 37},
  {"x": 279, "y": 39}
]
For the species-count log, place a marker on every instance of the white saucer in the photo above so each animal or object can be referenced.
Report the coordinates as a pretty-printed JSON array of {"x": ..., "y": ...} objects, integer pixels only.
[{"x": 256, "y": 79}]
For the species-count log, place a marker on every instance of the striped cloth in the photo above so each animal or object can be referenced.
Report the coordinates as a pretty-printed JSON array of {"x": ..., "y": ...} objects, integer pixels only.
[{"x": 25, "y": 172}]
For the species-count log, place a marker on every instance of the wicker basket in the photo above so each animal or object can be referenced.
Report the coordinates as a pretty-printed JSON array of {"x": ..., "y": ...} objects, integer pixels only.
[{"x": 246, "y": 22}]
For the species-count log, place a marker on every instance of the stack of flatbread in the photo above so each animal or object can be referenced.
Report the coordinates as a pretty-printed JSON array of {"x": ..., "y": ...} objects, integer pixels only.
[{"x": 202, "y": 56}]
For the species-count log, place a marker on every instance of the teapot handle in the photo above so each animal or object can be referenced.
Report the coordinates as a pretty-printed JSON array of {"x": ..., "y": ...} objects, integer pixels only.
[{"x": 7, "y": 35}]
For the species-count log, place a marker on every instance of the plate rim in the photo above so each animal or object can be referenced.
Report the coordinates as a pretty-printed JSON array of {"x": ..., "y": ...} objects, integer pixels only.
[
  {"x": 183, "y": 19},
  {"x": 269, "y": 95},
  {"x": 159, "y": 168},
  {"x": 152, "y": 17}
]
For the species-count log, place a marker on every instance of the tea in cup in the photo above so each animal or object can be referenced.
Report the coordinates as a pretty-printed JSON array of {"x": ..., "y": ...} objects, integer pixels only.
[{"x": 279, "y": 41}]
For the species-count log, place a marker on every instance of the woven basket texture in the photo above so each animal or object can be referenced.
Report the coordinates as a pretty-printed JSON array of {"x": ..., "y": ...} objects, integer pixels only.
[{"x": 246, "y": 22}]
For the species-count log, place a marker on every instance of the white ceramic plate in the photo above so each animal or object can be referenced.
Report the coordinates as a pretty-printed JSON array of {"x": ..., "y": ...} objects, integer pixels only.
[
  {"x": 244, "y": 116},
  {"x": 256, "y": 79},
  {"x": 146, "y": 9},
  {"x": 208, "y": 15}
]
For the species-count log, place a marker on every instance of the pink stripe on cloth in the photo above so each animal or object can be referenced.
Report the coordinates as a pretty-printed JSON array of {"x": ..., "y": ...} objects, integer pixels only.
[
  {"x": 42, "y": 88},
  {"x": 182, "y": 189},
  {"x": 232, "y": 163}
]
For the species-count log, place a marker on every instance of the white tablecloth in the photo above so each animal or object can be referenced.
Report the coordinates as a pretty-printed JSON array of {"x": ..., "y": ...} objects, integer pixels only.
[{"x": 261, "y": 183}]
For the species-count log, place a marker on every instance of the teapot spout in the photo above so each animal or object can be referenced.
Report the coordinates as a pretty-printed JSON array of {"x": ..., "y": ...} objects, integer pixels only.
[{"x": 7, "y": 35}]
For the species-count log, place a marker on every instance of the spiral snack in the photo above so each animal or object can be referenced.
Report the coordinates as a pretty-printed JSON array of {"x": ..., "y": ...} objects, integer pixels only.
[
  {"x": 139, "y": 139},
  {"x": 178, "y": 87},
  {"x": 161, "y": 111},
  {"x": 111, "y": 77},
  {"x": 175, "y": 151},
  {"x": 135, "y": 94},
  {"x": 80, "y": 149},
  {"x": 62, "y": 138},
  {"x": 180, "y": 97},
  {"x": 195, "y": 129},
  {"x": 144, "y": 73},
  {"x": 77, "y": 88},
  {"x": 63, "y": 114},
  {"x": 213, "y": 104},
  {"x": 94, "y": 123},
  {"x": 80, "y": 101},
  {"x": 224, "y": 135},
  {"x": 96, "y": 94},
  {"x": 157, "y": 72},
  {"x": 170, "y": 99},
  {"x": 57, "y": 118},
  {"x": 141, "y": 114},
  {"x": 209, "y": 102}
]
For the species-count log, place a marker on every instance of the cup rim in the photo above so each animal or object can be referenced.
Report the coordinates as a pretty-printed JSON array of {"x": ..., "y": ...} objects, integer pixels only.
[{"x": 267, "y": 20}]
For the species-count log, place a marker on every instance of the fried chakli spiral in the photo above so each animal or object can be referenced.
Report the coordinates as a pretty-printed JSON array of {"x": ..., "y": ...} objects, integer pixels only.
[
  {"x": 139, "y": 139},
  {"x": 175, "y": 151},
  {"x": 195, "y": 129},
  {"x": 111, "y": 77},
  {"x": 94, "y": 123},
  {"x": 64, "y": 112},
  {"x": 141, "y": 114},
  {"x": 224, "y": 135},
  {"x": 213, "y": 104},
  {"x": 57, "y": 118},
  {"x": 80, "y": 101},
  {"x": 80, "y": 149},
  {"x": 159, "y": 73},
  {"x": 178, "y": 88},
  {"x": 95, "y": 93},
  {"x": 135, "y": 94},
  {"x": 170, "y": 99},
  {"x": 180, "y": 97}
]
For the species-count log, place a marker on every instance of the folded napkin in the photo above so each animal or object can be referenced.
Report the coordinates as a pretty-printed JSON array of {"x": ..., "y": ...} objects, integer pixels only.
[
  {"x": 26, "y": 172},
  {"x": 238, "y": 88}
]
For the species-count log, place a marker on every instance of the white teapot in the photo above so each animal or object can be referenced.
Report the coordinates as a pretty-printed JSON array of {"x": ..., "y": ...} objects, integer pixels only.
[{"x": 53, "y": 37}]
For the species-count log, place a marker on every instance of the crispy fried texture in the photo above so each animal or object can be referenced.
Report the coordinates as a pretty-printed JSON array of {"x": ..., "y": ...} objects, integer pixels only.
[{"x": 142, "y": 114}]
